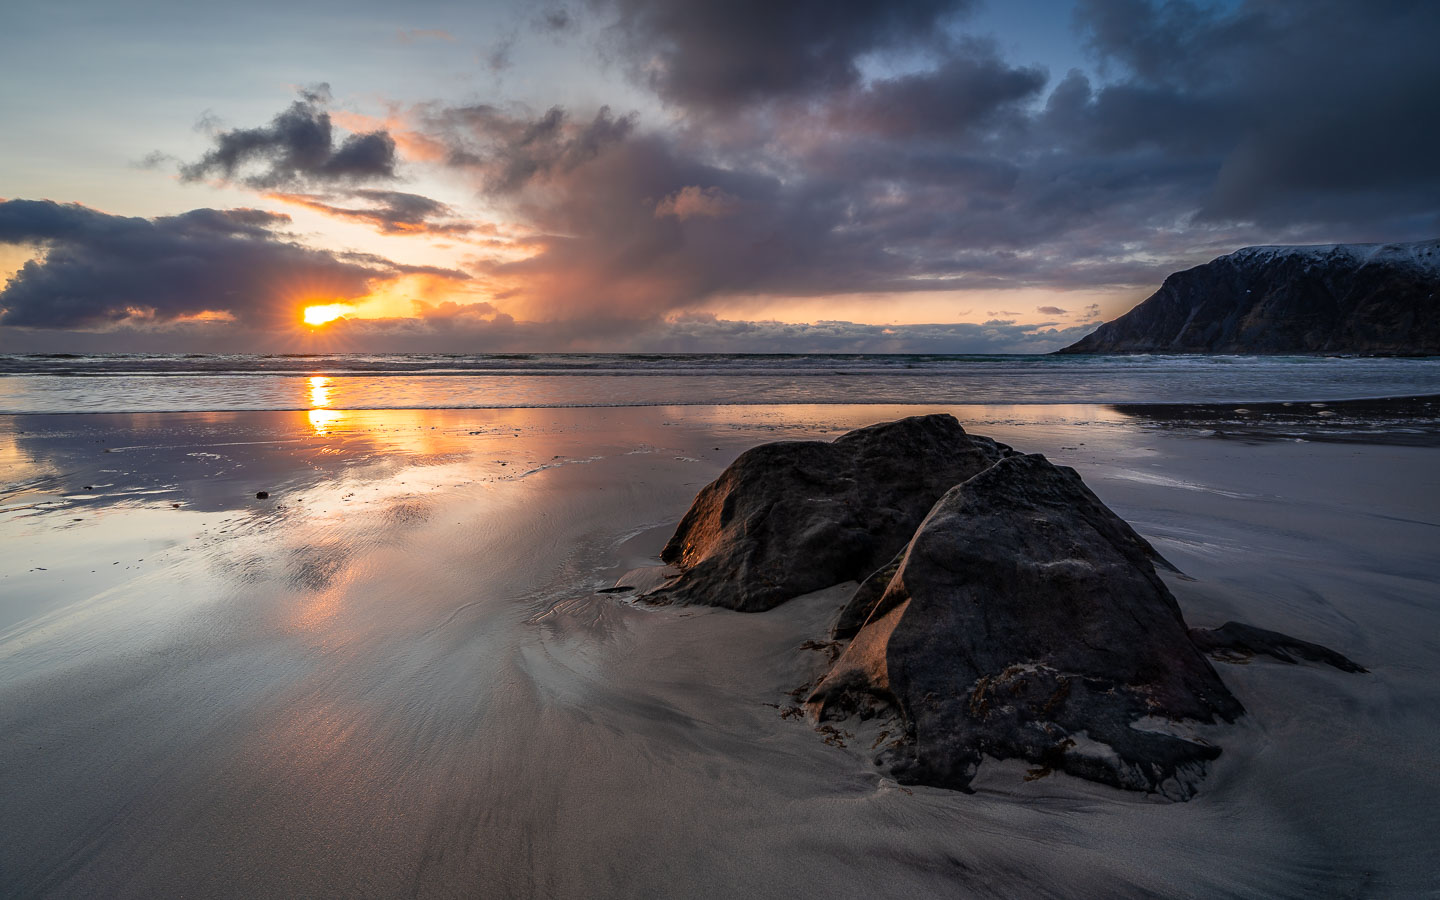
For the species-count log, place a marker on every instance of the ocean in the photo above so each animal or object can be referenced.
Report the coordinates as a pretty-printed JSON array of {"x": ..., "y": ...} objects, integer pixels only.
[{"x": 135, "y": 383}]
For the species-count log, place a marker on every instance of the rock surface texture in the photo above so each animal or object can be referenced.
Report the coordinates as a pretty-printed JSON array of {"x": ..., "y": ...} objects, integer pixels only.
[
  {"x": 793, "y": 517},
  {"x": 1344, "y": 298},
  {"x": 1025, "y": 620}
]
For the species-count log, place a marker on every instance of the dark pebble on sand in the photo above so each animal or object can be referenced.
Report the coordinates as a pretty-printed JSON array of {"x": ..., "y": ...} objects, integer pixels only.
[{"x": 262, "y": 495}]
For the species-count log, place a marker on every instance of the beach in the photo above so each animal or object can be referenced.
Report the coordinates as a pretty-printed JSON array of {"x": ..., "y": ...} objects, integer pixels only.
[
  {"x": 650, "y": 449},
  {"x": 394, "y": 676}
]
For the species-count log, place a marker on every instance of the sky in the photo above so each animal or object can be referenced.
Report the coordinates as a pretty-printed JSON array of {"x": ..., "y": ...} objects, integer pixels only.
[{"x": 950, "y": 176}]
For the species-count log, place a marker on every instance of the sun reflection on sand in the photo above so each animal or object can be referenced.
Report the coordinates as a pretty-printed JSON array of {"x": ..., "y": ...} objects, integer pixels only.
[{"x": 324, "y": 421}]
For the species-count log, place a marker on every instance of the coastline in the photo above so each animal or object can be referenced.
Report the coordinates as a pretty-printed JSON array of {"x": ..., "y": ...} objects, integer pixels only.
[{"x": 401, "y": 650}]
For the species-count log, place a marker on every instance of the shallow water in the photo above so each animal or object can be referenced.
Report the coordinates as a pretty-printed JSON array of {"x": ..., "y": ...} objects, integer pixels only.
[
  {"x": 392, "y": 676},
  {"x": 139, "y": 383}
]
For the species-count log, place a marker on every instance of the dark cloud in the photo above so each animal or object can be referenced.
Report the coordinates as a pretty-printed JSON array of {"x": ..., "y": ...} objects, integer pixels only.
[
  {"x": 967, "y": 92},
  {"x": 508, "y": 149},
  {"x": 1290, "y": 112},
  {"x": 651, "y": 222},
  {"x": 389, "y": 212},
  {"x": 1209, "y": 127},
  {"x": 724, "y": 54},
  {"x": 1051, "y": 310},
  {"x": 297, "y": 147},
  {"x": 629, "y": 219},
  {"x": 98, "y": 270},
  {"x": 392, "y": 268},
  {"x": 555, "y": 20}
]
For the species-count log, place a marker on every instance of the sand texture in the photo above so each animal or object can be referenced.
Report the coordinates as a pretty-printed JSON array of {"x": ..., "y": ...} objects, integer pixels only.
[{"x": 396, "y": 675}]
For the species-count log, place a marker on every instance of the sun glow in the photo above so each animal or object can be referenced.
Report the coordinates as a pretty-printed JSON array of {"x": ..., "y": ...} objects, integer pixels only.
[
  {"x": 321, "y": 419},
  {"x": 319, "y": 391},
  {"x": 328, "y": 312}
]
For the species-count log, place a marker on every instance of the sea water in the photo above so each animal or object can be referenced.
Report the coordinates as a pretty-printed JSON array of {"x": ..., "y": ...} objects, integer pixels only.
[{"x": 174, "y": 383}]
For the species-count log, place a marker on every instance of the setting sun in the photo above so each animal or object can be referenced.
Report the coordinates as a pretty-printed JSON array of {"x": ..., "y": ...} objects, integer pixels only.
[{"x": 329, "y": 312}]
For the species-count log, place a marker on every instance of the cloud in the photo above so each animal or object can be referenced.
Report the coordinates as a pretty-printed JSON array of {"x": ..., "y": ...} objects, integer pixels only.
[
  {"x": 1249, "y": 106},
  {"x": 971, "y": 89},
  {"x": 789, "y": 173},
  {"x": 509, "y": 149},
  {"x": 448, "y": 327},
  {"x": 630, "y": 220},
  {"x": 389, "y": 212},
  {"x": 720, "y": 55},
  {"x": 555, "y": 20},
  {"x": 702, "y": 332},
  {"x": 811, "y": 149},
  {"x": 650, "y": 222},
  {"x": 98, "y": 270},
  {"x": 692, "y": 201},
  {"x": 297, "y": 147},
  {"x": 500, "y": 55}
]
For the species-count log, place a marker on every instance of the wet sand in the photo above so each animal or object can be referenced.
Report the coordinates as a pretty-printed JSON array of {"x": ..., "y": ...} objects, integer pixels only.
[{"x": 393, "y": 676}]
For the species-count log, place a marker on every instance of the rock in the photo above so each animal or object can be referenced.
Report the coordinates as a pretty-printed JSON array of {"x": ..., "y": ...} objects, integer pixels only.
[
  {"x": 793, "y": 517},
  {"x": 865, "y": 599},
  {"x": 872, "y": 589},
  {"x": 262, "y": 495},
  {"x": 1235, "y": 639},
  {"x": 1341, "y": 298},
  {"x": 1025, "y": 620}
]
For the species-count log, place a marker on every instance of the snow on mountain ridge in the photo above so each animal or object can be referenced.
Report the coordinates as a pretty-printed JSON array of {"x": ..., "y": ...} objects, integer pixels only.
[{"x": 1422, "y": 254}]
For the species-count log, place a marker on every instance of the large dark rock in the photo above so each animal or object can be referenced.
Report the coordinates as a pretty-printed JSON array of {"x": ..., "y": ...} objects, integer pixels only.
[
  {"x": 1344, "y": 298},
  {"x": 793, "y": 517},
  {"x": 872, "y": 590},
  {"x": 1025, "y": 620}
]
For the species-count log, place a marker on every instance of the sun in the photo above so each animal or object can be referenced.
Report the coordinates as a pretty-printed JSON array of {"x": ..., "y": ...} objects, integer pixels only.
[{"x": 329, "y": 312}]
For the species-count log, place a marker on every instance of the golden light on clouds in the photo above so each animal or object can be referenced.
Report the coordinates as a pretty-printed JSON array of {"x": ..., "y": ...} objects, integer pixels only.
[{"x": 328, "y": 312}]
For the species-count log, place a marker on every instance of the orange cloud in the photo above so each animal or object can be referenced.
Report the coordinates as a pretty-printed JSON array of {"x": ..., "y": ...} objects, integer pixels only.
[
  {"x": 413, "y": 145},
  {"x": 694, "y": 201}
]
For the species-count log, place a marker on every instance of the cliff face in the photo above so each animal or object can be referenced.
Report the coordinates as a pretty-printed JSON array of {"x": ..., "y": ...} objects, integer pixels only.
[{"x": 1340, "y": 298}]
